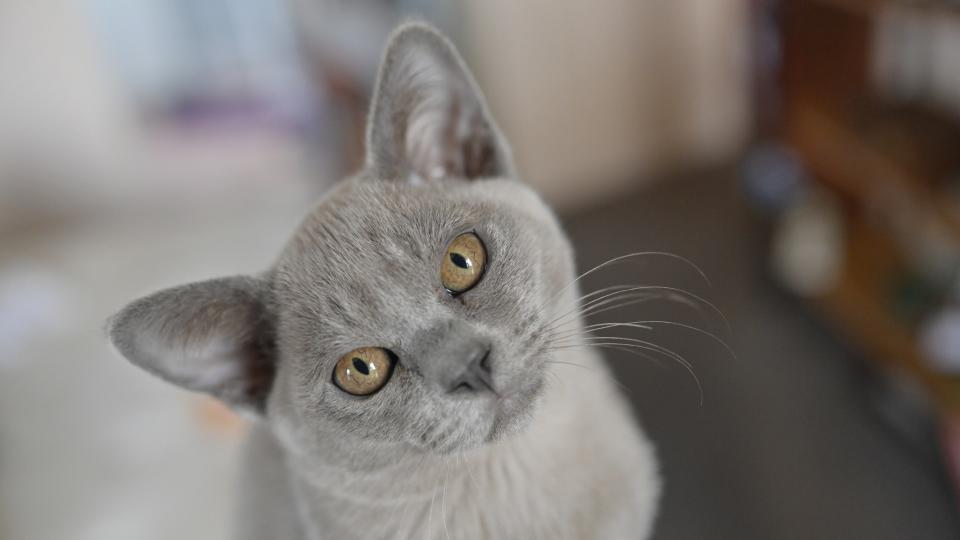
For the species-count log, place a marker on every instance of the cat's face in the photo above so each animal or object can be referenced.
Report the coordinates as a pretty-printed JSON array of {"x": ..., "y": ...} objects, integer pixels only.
[
  {"x": 409, "y": 308},
  {"x": 367, "y": 269}
]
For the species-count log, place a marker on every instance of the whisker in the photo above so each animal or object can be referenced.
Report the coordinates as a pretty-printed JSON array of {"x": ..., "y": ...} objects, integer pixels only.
[
  {"x": 667, "y": 296},
  {"x": 629, "y": 256},
  {"x": 628, "y": 347},
  {"x": 604, "y": 290},
  {"x": 653, "y": 359},
  {"x": 566, "y": 331},
  {"x": 648, "y": 292},
  {"x": 642, "y": 325},
  {"x": 465, "y": 463},
  {"x": 430, "y": 518},
  {"x": 443, "y": 499},
  {"x": 579, "y": 310},
  {"x": 645, "y": 325},
  {"x": 573, "y": 332},
  {"x": 623, "y": 300},
  {"x": 683, "y": 294},
  {"x": 628, "y": 342}
]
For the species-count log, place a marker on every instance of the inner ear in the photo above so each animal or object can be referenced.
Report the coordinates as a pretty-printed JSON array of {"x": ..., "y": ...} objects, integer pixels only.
[
  {"x": 214, "y": 336},
  {"x": 428, "y": 118}
]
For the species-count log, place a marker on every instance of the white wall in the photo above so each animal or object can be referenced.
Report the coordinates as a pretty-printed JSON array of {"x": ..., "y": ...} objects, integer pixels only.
[
  {"x": 59, "y": 109},
  {"x": 593, "y": 93}
]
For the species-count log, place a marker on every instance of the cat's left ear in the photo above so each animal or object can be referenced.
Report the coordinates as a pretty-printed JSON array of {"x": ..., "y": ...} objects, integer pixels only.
[
  {"x": 428, "y": 119},
  {"x": 213, "y": 336}
]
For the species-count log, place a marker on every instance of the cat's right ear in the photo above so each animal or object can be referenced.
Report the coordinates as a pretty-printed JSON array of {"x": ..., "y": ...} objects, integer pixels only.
[
  {"x": 428, "y": 119},
  {"x": 212, "y": 336}
]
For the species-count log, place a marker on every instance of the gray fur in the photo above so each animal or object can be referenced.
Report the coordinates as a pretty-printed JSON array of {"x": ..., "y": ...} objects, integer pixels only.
[{"x": 553, "y": 454}]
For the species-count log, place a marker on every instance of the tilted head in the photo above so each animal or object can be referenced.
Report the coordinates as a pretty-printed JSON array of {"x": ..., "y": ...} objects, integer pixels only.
[{"x": 408, "y": 309}]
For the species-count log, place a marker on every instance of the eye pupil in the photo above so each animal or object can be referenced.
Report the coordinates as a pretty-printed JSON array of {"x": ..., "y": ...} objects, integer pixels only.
[
  {"x": 361, "y": 366},
  {"x": 460, "y": 260}
]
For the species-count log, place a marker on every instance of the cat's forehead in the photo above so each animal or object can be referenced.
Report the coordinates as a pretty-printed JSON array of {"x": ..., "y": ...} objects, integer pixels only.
[
  {"x": 368, "y": 226},
  {"x": 385, "y": 213}
]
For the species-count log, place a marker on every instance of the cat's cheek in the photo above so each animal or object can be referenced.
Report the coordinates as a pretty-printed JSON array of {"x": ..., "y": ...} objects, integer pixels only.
[{"x": 516, "y": 412}]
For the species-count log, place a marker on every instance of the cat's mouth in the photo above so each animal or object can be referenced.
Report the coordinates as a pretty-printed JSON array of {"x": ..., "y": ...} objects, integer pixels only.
[{"x": 481, "y": 420}]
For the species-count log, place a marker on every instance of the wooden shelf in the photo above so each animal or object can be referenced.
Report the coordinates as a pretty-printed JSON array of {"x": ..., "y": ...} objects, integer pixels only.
[
  {"x": 842, "y": 159},
  {"x": 855, "y": 304}
]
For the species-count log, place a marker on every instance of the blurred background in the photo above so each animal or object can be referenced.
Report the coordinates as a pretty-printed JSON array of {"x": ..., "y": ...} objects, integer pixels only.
[{"x": 804, "y": 153}]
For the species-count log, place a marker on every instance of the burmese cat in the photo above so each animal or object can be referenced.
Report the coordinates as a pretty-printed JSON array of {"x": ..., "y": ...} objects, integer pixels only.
[{"x": 400, "y": 356}]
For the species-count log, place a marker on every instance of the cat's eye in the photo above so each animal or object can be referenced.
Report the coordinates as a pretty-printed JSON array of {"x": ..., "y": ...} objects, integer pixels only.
[
  {"x": 463, "y": 263},
  {"x": 363, "y": 371}
]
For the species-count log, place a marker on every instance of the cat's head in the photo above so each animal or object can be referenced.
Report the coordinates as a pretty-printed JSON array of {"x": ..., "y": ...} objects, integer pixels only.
[{"x": 408, "y": 309}]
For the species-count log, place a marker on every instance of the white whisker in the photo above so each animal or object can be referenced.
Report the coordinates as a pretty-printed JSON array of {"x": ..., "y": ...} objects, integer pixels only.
[
  {"x": 443, "y": 499},
  {"x": 433, "y": 499},
  {"x": 645, "y": 325},
  {"x": 625, "y": 257},
  {"x": 567, "y": 331},
  {"x": 647, "y": 292},
  {"x": 629, "y": 348}
]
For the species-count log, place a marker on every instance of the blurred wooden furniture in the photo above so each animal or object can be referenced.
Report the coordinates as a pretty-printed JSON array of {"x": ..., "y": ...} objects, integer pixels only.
[{"x": 894, "y": 166}]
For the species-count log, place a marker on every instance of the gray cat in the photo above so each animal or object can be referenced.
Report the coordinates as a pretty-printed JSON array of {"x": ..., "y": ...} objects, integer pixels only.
[{"x": 412, "y": 359}]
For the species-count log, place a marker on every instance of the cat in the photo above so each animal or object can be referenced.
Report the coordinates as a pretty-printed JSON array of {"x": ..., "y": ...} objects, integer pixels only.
[{"x": 412, "y": 361}]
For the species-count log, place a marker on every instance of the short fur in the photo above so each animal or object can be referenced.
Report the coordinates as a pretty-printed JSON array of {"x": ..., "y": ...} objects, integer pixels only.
[{"x": 553, "y": 454}]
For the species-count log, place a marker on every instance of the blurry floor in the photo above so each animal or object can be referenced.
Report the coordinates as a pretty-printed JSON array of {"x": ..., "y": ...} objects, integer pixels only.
[{"x": 784, "y": 446}]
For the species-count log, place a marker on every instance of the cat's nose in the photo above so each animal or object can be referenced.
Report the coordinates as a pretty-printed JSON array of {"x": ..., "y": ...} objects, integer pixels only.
[
  {"x": 475, "y": 376},
  {"x": 455, "y": 357}
]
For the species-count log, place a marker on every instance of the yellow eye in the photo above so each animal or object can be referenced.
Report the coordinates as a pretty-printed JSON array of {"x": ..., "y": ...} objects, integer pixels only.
[
  {"x": 363, "y": 371},
  {"x": 463, "y": 263}
]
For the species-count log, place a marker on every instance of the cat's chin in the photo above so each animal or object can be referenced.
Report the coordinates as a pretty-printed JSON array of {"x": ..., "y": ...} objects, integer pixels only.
[
  {"x": 475, "y": 423},
  {"x": 497, "y": 420}
]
